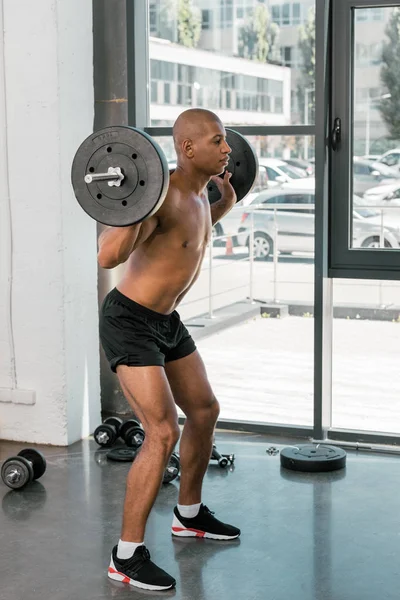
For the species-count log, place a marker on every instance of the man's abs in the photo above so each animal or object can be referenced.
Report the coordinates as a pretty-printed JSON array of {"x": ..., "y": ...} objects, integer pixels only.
[{"x": 160, "y": 280}]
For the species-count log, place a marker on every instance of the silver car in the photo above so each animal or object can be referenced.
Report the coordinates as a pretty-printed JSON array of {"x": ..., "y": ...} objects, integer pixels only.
[
  {"x": 295, "y": 227},
  {"x": 368, "y": 174}
]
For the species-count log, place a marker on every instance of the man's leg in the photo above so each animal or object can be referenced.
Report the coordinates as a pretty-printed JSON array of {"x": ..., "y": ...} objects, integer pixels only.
[
  {"x": 148, "y": 393},
  {"x": 193, "y": 394}
]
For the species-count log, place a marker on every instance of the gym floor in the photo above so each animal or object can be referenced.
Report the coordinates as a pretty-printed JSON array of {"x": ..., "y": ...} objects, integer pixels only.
[{"x": 332, "y": 536}]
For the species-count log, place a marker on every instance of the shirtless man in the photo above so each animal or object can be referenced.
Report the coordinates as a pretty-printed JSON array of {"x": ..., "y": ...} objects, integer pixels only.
[{"x": 152, "y": 352}]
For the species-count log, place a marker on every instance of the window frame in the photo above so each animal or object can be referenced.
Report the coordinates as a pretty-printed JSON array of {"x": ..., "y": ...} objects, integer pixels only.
[
  {"x": 346, "y": 262},
  {"x": 139, "y": 115}
]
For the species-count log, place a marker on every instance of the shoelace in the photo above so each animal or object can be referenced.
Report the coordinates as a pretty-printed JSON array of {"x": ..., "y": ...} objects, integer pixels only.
[
  {"x": 145, "y": 554},
  {"x": 207, "y": 510}
]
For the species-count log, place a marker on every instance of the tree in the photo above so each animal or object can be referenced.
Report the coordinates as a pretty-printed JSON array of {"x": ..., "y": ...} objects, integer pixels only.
[
  {"x": 306, "y": 85},
  {"x": 189, "y": 24},
  {"x": 167, "y": 24},
  {"x": 307, "y": 48},
  {"x": 258, "y": 37},
  {"x": 389, "y": 106}
]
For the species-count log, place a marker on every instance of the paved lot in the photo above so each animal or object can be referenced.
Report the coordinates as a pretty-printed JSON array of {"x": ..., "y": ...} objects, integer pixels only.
[
  {"x": 262, "y": 370},
  {"x": 294, "y": 282}
]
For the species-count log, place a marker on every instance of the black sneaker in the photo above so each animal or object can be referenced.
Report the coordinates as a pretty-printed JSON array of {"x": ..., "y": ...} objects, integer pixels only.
[
  {"x": 139, "y": 571},
  {"x": 204, "y": 525}
]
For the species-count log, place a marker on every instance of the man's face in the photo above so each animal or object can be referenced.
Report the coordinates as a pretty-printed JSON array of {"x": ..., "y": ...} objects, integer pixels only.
[{"x": 211, "y": 151}]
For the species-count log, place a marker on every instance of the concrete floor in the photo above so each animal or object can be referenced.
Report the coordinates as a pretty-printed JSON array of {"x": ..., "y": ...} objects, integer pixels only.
[{"x": 309, "y": 537}]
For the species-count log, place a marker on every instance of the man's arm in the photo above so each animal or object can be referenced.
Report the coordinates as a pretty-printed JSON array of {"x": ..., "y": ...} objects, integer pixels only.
[
  {"x": 116, "y": 244},
  {"x": 228, "y": 198}
]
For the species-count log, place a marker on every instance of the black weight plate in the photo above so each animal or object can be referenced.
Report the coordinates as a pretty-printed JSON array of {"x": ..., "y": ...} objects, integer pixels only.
[
  {"x": 143, "y": 164},
  {"x": 114, "y": 421},
  {"x": 127, "y": 425},
  {"x": 37, "y": 459},
  {"x": 313, "y": 458},
  {"x": 105, "y": 435},
  {"x": 243, "y": 164},
  {"x": 134, "y": 437},
  {"x": 19, "y": 465},
  {"x": 172, "y": 470},
  {"x": 122, "y": 454}
]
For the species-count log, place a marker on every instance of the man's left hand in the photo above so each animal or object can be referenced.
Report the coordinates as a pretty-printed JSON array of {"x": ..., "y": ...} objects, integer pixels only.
[{"x": 225, "y": 187}]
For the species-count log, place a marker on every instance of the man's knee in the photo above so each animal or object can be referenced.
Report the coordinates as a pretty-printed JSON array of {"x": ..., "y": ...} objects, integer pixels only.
[
  {"x": 214, "y": 410},
  {"x": 166, "y": 435},
  {"x": 205, "y": 413}
]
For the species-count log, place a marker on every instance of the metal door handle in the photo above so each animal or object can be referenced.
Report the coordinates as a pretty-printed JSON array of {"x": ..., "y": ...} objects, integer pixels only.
[{"x": 336, "y": 134}]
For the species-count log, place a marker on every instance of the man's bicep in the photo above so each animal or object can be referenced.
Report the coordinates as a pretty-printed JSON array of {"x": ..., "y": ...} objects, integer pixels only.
[
  {"x": 147, "y": 228},
  {"x": 219, "y": 210}
]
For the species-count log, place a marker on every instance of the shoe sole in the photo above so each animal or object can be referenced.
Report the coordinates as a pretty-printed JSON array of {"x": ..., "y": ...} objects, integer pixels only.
[
  {"x": 183, "y": 532},
  {"x": 117, "y": 576},
  {"x": 179, "y": 530}
]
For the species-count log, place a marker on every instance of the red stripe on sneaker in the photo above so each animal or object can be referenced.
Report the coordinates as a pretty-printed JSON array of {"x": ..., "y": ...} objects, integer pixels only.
[
  {"x": 125, "y": 578},
  {"x": 196, "y": 531}
]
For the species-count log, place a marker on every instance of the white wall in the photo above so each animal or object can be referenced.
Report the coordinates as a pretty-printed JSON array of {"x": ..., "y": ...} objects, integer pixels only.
[{"x": 48, "y": 300}]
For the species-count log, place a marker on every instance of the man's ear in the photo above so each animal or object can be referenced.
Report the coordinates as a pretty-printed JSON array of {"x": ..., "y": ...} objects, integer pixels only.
[{"x": 187, "y": 147}]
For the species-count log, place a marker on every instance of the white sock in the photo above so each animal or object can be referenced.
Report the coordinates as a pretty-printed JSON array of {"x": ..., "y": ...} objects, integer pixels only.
[
  {"x": 189, "y": 512},
  {"x": 127, "y": 549}
]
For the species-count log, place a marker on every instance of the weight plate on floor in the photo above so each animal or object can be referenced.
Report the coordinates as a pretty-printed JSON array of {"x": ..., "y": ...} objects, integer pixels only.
[
  {"x": 243, "y": 164},
  {"x": 37, "y": 459},
  {"x": 16, "y": 472},
  {"x": 143, "y": 165},
  {"x": 313, "y": 458},
  {"x": 122, "y": 454},
  {"x": 173, "y": 468}
]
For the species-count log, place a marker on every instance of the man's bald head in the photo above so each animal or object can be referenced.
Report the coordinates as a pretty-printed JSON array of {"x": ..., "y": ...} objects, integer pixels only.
[{"x": 192, "y": 124}]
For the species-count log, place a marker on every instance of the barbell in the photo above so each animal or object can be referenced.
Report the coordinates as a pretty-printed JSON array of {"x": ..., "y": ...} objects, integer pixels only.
[{"x": 120, "y": 175}]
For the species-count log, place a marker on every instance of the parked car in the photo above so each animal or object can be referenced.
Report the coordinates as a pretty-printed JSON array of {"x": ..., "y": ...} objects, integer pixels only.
[
  {"x": 391, "y": 158},
  {"x": 304, "y": 165},
  {"x": 272, "y": 174},
  {"x": 296, "y": 226},
  {"x": 368, "y": 174},
  {"x": 383, "y": 195},
  {"x": 278, "y": 171},
  {"x": 372, "y": 157}
]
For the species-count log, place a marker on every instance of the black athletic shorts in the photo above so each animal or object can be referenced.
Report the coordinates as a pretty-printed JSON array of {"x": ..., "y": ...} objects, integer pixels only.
[{"x": 134, "y": 335}]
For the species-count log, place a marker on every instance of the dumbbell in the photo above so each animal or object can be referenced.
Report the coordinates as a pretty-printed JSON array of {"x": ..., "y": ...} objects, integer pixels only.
[
  {"x": 129, "y": 454},
  {"x": 18, "y": 471},
  {"x": 172, "y": 470},
  {"x": 132, "y": 433},
  {"x": 223, "y": 459},
  {"x": 108, "y": 432}
]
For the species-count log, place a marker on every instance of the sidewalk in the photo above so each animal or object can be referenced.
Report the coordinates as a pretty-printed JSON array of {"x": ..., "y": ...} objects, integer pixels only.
[{"x": 262, "y": 370}]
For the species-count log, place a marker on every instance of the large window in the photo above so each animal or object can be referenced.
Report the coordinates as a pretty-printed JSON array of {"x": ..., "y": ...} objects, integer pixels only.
[
  {"x": 279, "y": 246},
  {"x": 191, "y": 86},
  {"x": 250, "y": 78},
  {"x": 222, "y": 68},
  {"x": 286, "y": 14},
  {"x": 369, "y": 181},
  {"x": 366, "y": 378}
]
